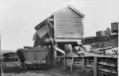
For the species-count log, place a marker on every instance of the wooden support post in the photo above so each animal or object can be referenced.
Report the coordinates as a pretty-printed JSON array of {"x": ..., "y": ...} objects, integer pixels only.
[
  {"x": 64, "y": 61},
  {"x": 95, "y": 67},
  {"x": 72, "y": 65},
  {"x": 55, "y": 52},
  {"x": 55, "y": 56},
  {"x": 83, "y": 64}
]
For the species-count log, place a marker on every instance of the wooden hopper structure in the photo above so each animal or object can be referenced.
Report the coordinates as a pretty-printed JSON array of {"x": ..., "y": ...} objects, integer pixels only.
[{"x": 62, "y": 27}]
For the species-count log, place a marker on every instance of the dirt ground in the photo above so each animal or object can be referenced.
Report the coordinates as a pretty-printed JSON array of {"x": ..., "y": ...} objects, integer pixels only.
[{"x": 14, "y": 69}]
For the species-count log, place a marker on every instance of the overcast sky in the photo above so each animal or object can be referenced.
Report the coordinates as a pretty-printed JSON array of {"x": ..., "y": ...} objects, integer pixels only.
[{"x": 19, "y": 17}]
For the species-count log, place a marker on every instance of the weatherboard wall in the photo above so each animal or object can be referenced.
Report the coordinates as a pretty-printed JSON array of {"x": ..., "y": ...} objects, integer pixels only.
[{"x": 68, "y": 25}]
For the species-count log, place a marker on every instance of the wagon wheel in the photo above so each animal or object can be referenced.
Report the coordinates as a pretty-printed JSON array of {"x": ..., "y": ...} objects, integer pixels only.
[{"x": 24, "y": 67}]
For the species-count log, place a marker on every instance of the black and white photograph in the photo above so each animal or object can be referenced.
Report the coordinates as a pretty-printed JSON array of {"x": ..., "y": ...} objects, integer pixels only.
[{"x": 59, "y": 37}]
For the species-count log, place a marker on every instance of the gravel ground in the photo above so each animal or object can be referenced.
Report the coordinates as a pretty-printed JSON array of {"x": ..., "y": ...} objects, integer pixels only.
[{"x": 14, "y": 69}]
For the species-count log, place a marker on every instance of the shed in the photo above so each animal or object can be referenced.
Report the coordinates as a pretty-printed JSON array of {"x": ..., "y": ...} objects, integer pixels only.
[{"x": 65, "y": 25}]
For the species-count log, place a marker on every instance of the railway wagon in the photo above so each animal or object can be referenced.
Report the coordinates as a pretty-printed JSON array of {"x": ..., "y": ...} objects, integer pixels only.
[{"x": 34, "y": 57}]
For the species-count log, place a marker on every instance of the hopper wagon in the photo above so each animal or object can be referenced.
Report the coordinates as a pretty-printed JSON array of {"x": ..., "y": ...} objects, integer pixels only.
[{"x": 34, "y": 57}]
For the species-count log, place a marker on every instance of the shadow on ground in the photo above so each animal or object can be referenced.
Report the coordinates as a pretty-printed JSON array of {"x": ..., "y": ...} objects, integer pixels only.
[
  {"x": 10, "y": 67},
  {"x": 15, "y": 69}
]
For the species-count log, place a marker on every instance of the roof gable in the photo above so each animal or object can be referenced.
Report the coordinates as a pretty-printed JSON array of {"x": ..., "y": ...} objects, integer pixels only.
[{"x": 71, "y": 8}]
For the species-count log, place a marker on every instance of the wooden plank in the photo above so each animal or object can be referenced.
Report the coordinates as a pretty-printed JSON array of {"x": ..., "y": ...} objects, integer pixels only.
[
  {"x": 68, "y": 19},
  {"x": 43, "y": 31},
  {"x": 67, "y": 40},
  {"x": 69, "y": 27},
  {"x": 100, "y": 55},
  {"x": 72, "y": 36},
  {"x": 66, "y": 24}
]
